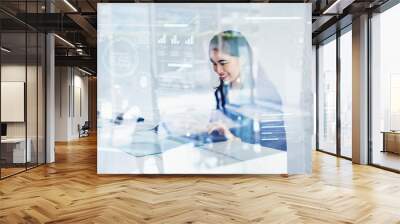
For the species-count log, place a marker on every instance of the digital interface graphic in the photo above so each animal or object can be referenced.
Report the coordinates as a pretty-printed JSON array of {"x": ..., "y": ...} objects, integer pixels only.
[{"x": 204, "y": 88}]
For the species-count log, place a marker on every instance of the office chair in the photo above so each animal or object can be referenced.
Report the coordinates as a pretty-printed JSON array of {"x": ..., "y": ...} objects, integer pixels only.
[{"x": 84, "y": 130}]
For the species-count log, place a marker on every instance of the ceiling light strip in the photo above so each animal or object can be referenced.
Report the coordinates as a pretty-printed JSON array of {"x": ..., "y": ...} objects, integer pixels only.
[
  {"x": 5, "y": 49},
  {"x": 64, "y": 40},
  {"x": 84, "y": 71},
  {"x": 70, "y": 5},
  {"x": 326, "y": 11}
]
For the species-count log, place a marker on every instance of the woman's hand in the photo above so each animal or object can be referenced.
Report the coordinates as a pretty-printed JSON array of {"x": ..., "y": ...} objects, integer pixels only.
[{"x": 221, "y": 129}]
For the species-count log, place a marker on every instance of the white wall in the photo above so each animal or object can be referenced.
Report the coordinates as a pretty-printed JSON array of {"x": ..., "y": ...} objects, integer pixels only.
[
  {"x": 61, "y": 103},
  {"x": 16, "y": 73},
  {"x": 71, "y": 102}
]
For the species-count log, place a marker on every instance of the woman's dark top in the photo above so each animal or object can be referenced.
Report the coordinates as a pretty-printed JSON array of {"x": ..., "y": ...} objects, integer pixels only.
[{"x": 271, "y": 131}]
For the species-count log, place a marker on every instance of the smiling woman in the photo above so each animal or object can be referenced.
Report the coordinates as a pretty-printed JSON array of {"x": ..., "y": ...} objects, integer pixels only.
[
  {"x": 243, "y": 84},
  {"x": 231, "y": 56}
]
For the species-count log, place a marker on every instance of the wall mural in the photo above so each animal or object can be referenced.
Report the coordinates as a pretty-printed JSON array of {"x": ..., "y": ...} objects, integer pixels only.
[{"x": 204, "y": 88}]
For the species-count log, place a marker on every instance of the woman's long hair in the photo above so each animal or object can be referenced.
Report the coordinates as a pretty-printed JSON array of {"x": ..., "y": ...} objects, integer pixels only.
[{"x": 235, "y": 44}]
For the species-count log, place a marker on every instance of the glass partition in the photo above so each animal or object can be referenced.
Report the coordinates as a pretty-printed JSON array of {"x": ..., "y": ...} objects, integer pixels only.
[
  {"x": 385, "y": 89},
  {"x": 32, "y": 87},
  {"x": 41, "y": 107},
  {"x": 31, "y": 100},
  {"x": 22, "y": 88},
  {"x": 13, "y": 109},
  {"x": 327, "y": 96},
  {"x": 346, "y": 93}
]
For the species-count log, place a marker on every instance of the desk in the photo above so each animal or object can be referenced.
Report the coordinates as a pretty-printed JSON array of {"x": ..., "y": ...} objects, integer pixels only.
[
  {"x": 121, "y": 151},
  {"x": 15, "y": 148},
  {"x": 227, "y": 157},
  {"x": 391, "y": 141}
]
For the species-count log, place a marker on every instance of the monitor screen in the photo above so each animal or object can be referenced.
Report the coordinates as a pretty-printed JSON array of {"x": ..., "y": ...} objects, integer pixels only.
[{"x": 3, "y": 129}]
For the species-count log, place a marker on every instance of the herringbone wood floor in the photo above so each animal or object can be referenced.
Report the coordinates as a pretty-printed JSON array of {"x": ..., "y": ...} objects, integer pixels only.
[{"x": 70, "y": 191}]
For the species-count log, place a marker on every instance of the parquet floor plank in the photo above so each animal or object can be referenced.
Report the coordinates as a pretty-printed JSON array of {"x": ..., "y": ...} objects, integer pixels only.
[{"x": 70, "y": 191}]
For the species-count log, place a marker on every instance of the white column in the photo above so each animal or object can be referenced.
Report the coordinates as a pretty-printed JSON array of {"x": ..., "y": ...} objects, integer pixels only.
[
  {"x": 50, "y": 92},
  {"x": 360, "y": 90},
  {"x": 50, "y": 99}
]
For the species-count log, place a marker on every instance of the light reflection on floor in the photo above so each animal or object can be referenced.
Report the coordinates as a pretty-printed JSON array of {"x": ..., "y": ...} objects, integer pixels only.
[{"x": 386, "y": 159}]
